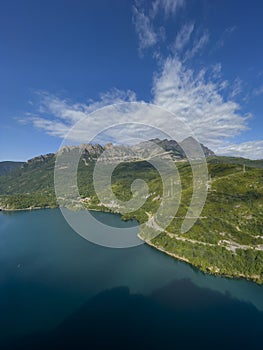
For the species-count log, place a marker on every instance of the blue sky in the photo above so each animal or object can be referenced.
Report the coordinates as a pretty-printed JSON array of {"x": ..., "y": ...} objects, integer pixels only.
[{"x": 60, "y": 60}]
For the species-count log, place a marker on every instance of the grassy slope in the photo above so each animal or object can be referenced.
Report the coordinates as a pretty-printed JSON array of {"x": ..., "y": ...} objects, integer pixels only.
[
  {"x": 231, "y": 226},
  {"x": 7, "y": 167},
  {"x": 29, "y": 186},
  {"x": 237, "y": 160},
  {"x": 225, "y": 240}
]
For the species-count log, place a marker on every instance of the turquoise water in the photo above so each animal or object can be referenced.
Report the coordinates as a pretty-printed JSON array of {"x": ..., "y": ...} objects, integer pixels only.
[{"x": 48, "y": 272}]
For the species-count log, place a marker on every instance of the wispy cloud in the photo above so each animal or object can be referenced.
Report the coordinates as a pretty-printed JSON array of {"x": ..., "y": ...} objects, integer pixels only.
[
  {"x": 249, "y": 149},
  {"x": 198, "y": 102},
  {"x": 170, "y": 7},
  {"x": 144, "y": 16},
  {"x": 51, "y": 127},
  {"x": 183, "y": 37},
  {"x": 57, "y": 116},
  {"x": 224, "y": 37},
  {"x": 216, "y": 70},
  {"x": 237, "y": 88},
  {"x": 122, "y": 122},
  {"x": 144, "y": 28},
  {"x": 258, "y": 91},
  {"x": 188, "y": 95},
  {"x": 190, "y": 98},
  {"x": 198, "y": 45}
]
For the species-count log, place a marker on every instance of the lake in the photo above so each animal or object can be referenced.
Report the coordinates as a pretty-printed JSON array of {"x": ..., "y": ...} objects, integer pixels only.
[{"x": 59, "y": 291}]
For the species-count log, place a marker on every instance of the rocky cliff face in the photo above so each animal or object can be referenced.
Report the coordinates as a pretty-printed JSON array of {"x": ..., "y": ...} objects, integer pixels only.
[
  {"x": 41, "y": 158},
  {"x": 141, "y": 151},
  {"x": 190, "y": 144}
]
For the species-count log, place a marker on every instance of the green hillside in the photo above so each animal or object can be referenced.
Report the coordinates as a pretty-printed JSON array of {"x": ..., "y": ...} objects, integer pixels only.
[
  {"x": 237, "y": 160},
  {"x": 227, "y": 239},
  {"x": 7, "y": 167}
]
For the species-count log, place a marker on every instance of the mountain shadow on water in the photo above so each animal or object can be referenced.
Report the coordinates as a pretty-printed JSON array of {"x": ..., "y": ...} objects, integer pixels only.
[{"x": 178, "y": 316}]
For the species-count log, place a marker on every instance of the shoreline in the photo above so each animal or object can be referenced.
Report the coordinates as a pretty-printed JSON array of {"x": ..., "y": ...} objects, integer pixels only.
[
  {"x": 26, "y": 209},
  {"x": 164, "y": 251},
  {"x": 210, "y": 272},
  {"x": 173, "y": 255}
]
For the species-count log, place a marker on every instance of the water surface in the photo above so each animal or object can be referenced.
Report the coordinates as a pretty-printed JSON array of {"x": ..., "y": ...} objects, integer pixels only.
[{"x": 49, "y": 274}]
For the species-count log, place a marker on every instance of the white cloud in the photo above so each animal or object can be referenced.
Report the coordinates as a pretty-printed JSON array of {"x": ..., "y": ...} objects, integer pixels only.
[
  {"x": 72, "y": 112},
  {"x": 144, "y": 28},
  {"x": 122, "y": 123},
  {"x": 192, "y": 99},
  {"x": 216, "y": 70},
  {"x": 258, "y": 91},
  {"x": 56, "y": 116},
  {"x": 143, "y": 18},
  {"x": 198, "y": 45},
  {"x": 170, "y": 7},
  {"x": 62, "y": 109},
  {"x": 198, "y": 102},
  {"x": 189, "y": 96},
  {"x": 249, "y": 149},
  {"x": 236, "y": 88},
  {"x": 51, "y": 127},
  {"x": 183, "y": 37},
  {"x": 195, "y": 98}
]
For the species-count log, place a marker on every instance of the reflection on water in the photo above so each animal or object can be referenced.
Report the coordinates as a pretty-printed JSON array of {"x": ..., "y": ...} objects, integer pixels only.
[
  {"x": 180, "y": 315},
  {"x": 48, "y": 273}
]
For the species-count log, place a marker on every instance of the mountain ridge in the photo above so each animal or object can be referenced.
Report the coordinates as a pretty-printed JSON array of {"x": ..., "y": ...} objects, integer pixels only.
[{"x": 95, "y": 150}]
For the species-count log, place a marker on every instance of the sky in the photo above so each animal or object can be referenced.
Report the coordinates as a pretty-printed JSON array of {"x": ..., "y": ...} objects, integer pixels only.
[{"x": 201, "y": 60}]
